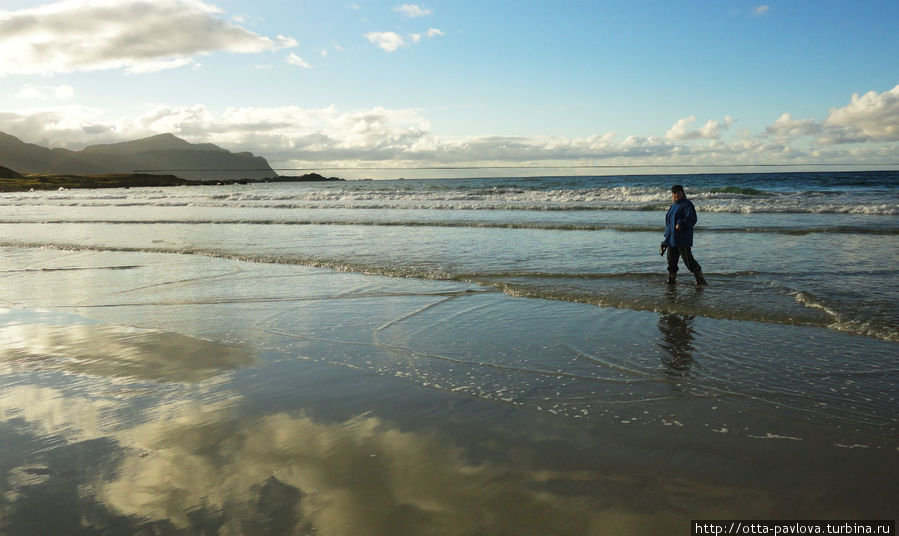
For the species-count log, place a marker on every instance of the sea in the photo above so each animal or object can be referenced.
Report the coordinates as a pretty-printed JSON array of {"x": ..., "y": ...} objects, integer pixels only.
[
  {"x": 451, "y": 356},
  {"x": 813, "y": 249}
]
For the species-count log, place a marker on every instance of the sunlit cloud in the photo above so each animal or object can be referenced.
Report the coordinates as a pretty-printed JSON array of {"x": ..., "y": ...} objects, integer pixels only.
[
  {"x": 433, "y": 32},
  {"x": 761, "y": 10},
  {"x": 138, "y": 35},
  {"x": 297, "y": 137},
  {"x": 712, "y": 130},
  {"x": 153, "y": 66},
  {"x": 43, "y": 93},
  {"x": 787, "y": 127},
  {"x": 293, "y": 59},
  {"x": 389, "y": 41},
  {"x": 392, "y": 41},
  {"x": 869, "y": 117},
  {"x": 412, "y": 10},
  {"x": 872, "y": 117}
]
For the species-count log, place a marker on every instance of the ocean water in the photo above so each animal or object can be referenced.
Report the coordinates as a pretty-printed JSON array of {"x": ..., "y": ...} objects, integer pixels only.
[
  {"x": 451, "y": 356},
  {"x": 813, "y": 249}
]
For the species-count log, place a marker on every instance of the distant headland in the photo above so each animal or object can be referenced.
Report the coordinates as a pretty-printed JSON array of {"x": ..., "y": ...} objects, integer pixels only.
[
  {"x": 123, "y": 165},
  {"x": 10, "y": 181}
]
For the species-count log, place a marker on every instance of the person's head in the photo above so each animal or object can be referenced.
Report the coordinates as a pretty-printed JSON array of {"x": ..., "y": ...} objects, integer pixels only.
[{"x": 677, "y": 192}]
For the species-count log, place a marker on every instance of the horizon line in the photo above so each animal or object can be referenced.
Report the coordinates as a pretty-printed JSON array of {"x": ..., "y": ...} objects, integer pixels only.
[{"x": 586, "y": 166}]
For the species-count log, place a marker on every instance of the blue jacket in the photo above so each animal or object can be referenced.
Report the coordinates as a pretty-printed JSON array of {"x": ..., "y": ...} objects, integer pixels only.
[{"x": 681, "y": 213}]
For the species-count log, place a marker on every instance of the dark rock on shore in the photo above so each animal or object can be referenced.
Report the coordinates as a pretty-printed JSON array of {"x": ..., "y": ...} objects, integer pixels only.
[
  {"x": 6, "y": 173},
  {"x": 309, "y": 177},
  {"x": 10, "y": 181}
]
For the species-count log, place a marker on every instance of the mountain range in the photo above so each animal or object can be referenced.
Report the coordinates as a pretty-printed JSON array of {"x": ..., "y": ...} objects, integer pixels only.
[{"x": 164, "y": 154}]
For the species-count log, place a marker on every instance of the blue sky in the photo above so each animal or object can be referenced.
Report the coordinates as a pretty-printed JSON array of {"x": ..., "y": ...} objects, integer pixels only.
[{"x": 336, "y": 85}]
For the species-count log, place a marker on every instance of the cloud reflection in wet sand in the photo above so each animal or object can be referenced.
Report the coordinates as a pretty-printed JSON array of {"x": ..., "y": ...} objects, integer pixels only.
[
  {"x": 360, "y": 477},
  {"x": 116, "y": 351},
  {"x": 200, "y": 467}
]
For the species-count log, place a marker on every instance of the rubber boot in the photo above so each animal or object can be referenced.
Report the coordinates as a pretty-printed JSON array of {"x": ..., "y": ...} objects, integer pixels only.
[
  {"x": 700, "y": 280},
  {"x": 671, "y": 277}
]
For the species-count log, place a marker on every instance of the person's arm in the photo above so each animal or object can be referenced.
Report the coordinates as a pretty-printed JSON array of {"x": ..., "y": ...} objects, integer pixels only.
[
  {"x": 667, "y": 228},
  {"x": 688, "y": 218}
]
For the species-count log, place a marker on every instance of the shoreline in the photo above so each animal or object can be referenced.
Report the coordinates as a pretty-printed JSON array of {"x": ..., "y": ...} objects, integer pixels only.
[{"x": 39, "y": 181}]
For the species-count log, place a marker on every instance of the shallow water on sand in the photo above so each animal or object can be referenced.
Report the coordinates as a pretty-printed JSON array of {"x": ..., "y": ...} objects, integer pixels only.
[{"x": 177, "y": 393}]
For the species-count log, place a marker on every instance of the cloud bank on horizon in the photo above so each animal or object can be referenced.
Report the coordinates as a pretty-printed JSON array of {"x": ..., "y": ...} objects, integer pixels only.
[{"x": 50, "y": 51}]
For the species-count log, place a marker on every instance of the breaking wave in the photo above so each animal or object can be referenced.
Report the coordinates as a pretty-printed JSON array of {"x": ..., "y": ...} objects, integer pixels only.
[{"x": 728, "y": 199}]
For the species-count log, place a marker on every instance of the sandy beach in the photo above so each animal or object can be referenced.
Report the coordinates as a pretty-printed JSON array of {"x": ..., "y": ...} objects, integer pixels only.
[{"x": 146, "y": 392}]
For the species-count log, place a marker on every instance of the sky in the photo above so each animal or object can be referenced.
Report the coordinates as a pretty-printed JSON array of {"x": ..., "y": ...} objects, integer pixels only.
[{"x": 455, "y": 87}]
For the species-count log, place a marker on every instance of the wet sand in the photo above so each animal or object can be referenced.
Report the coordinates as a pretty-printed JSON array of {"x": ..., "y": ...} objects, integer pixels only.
[{"x": 144, "y": 393}]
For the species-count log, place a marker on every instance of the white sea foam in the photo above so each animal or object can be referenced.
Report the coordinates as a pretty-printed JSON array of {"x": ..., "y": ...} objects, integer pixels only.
[
  {"x": 846, "y": 323},
  {"x": 473, "y": 198},
  {"x": 769, "y": 435}
]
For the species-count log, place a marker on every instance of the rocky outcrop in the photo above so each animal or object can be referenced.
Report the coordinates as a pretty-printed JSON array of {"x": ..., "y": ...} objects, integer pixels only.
[{"x": 6, "y": 173}]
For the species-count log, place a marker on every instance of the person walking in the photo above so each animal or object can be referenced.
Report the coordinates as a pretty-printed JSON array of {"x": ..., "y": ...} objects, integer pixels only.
[{"x": 679, "y": 223}]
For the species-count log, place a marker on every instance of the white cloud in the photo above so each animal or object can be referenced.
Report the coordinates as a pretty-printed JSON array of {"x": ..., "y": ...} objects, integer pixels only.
[
  {"x": 389, "y": 41},
  {"x": 682, "y": 130},
  {"x": 263, "y": 130},
  {"x": 293, "y": 59},
  {"x": 43, "y": 93},
  {"x": 56, "y": 126},
  {"x": 416, "y": 37},
  {"x": 392, "y": 41},
  {"x": 64, "y": 92},
  {"x": 138, "y": 35},
  {"x": 292, "y": 136},
  {"x": 870, "y": 117},
  {"x": 786, "y": 127},
  {"x": 712, "y": 129},
  {"x": 153, "y": 66},
  {"x": 412, "y": 10},
  {"x": 761, "y": 10}
]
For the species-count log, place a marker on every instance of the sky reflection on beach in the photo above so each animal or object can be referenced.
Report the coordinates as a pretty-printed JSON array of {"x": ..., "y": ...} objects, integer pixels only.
[
  {"x": 195, "y": 468},
  {"x": 355, "y": 404},
  {"x": 115, "y": 351}
]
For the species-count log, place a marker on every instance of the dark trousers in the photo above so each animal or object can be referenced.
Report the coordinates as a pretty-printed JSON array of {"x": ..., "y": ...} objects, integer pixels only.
[{"x": 689, "y": 261}]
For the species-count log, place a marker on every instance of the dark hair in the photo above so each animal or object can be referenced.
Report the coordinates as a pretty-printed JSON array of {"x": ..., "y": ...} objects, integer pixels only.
[{"x": 677, "y": 188}]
